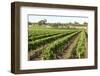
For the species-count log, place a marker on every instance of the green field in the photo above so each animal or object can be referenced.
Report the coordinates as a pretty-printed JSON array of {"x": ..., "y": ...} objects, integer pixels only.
[{"x": 48, "y": 43}]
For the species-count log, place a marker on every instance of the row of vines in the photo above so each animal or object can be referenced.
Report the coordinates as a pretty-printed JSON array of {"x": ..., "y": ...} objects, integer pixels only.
[{"x": 51, "y": 43}]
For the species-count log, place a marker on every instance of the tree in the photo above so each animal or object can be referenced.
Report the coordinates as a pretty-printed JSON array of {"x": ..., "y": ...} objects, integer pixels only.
[
  {"x": 29, "y": 23},
  {"x": 41, "y": 22},
  {"x": 76, "y": 23},
  {"x": 85, "y": 23},
  {"x": 70, "y": 23}
]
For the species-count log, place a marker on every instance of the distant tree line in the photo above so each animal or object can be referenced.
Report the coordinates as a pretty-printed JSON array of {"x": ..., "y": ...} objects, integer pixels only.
[{"x": 44, "y": 22}]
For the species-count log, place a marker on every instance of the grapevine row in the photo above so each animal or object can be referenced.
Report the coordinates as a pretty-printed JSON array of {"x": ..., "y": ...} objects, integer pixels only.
[
  {"x": 56, "y": 47},
  {"x": 38, "y": 32},
  {"x": 32, "y": 38},
  {"x": 79, "y": 50},
  {"x": 33, "y": 45}
]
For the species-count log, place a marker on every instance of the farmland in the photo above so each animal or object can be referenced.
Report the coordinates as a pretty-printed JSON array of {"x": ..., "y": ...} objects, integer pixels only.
[{"x": 48, "y": 42}]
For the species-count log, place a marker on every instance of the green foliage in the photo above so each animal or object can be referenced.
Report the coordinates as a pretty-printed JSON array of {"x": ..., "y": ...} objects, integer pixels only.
[
  {"x": 41, "y": 22},
  {"x": 33, "y": 38},
  {"x": 79, "y": 50},
  {"x": 29, "y": 23},
  {"x": 57, "y": 47},
  {"x": 40, "y": 42},
  {"x": 55, "y": 39}
]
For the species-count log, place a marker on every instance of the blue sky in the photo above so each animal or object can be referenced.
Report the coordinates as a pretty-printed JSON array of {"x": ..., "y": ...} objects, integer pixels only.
[{"x": 61, "y": 19}]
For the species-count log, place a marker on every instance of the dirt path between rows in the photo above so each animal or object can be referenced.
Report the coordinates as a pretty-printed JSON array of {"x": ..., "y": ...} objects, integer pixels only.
[
  {"x": 86, "y": 46},
  {"x": 35, "y": 54},
  {"x": 68, "y": 51}
]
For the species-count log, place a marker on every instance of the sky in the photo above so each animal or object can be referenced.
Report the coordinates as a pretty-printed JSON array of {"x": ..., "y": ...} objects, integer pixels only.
[{"x": 57, "y": 19}]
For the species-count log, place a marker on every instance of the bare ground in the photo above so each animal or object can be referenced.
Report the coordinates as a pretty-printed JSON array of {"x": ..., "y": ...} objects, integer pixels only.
[{"x": 68, "y": 51}]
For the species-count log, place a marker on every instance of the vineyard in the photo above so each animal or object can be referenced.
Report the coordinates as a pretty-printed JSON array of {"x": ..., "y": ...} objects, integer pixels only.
[{"x": 56, "y": 43}]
